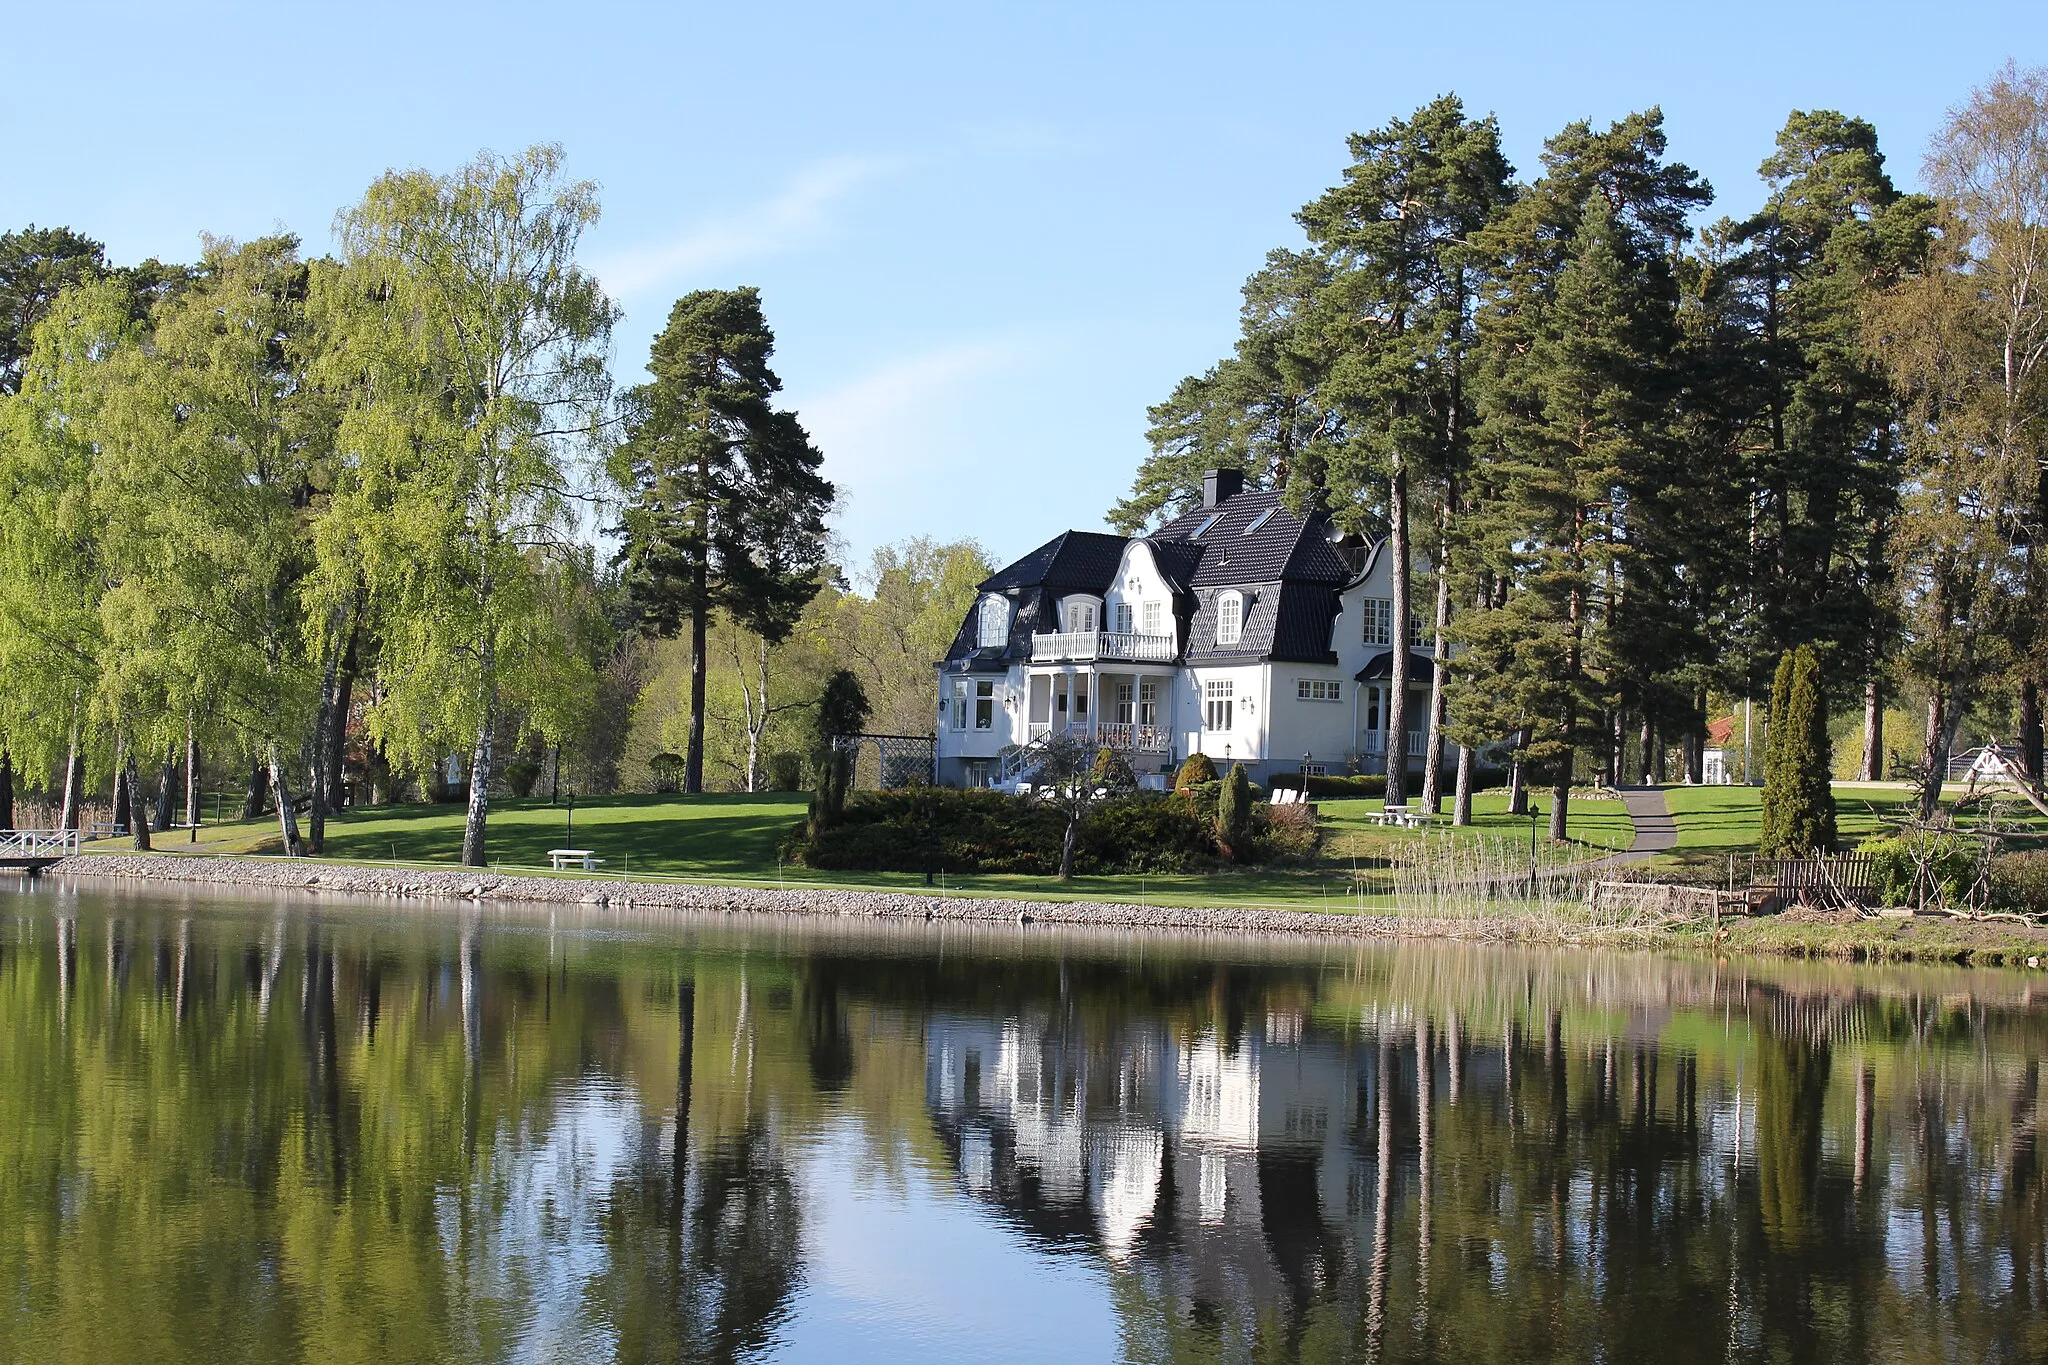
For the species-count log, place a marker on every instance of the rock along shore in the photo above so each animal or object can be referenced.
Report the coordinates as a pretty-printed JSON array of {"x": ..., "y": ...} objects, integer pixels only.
[{"x": 473, "y": 884}]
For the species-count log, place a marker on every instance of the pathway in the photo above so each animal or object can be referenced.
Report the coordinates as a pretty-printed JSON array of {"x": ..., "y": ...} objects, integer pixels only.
[{"x": 1656, "y": 830}]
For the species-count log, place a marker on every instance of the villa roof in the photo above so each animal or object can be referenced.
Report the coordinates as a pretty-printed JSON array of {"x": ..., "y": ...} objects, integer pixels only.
[{"x": 1073, "y": 561}]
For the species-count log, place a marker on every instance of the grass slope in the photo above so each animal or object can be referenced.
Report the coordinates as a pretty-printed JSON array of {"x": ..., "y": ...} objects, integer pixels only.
[{"x": 735, "y": 838}]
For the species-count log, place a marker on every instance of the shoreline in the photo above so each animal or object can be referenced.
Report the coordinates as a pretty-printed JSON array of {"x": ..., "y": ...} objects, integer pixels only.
[
  {"x": 480, "y": 885},
  {"x": 1792, "y": 934}
]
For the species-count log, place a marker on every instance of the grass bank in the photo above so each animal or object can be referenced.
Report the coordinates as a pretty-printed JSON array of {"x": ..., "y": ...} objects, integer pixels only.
[{"x": 734, "y": 838}]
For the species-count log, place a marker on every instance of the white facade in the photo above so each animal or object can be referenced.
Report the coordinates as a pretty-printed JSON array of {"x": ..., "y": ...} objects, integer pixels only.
[{"x": 1120, "y": 671}]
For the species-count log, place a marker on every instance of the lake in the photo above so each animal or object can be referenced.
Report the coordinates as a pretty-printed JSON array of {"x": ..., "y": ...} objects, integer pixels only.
[{"x": 243, "y": 1128}]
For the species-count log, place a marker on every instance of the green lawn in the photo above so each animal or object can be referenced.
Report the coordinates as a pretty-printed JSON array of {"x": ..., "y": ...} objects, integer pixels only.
[
  {"x": 734, "y": 838},
  {"x": 1716, "y": 821}
]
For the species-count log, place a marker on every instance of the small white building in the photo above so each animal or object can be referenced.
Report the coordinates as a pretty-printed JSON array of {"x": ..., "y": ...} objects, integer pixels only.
[{"x": 1238, "y": 630}]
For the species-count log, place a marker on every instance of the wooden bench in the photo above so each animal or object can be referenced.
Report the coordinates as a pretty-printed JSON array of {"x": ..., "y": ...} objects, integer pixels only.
[{"x": 577, "y": 857}]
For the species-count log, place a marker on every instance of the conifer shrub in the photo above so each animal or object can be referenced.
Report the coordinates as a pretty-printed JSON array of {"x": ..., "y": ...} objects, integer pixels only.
[
  {"x": 1234, "y": 815},
  {"x": 1193, "y": 773},
  {"x": 1798, "y": 798}
]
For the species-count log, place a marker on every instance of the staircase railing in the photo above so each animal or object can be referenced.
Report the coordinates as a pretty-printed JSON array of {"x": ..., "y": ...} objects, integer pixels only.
[{"x": 1022, "y": 762}]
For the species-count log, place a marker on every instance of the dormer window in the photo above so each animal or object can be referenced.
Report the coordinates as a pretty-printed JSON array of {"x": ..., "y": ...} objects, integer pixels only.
[
  {"x": 1229, "y": 617},
  {"x": 994, "y": 629},
  {"x": 1080, "y": 618}
]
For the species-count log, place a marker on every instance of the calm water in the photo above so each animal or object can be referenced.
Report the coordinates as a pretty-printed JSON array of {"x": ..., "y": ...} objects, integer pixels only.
[{"x": 246, "y": 1129}]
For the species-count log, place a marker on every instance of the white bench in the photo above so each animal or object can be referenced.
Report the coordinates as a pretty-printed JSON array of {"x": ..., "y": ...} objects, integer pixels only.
[
  {"x": 574, "y": 857},
  {"x": 1402, "y": 816}
]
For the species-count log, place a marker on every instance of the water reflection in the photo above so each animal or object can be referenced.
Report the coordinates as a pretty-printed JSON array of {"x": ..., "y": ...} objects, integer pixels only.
[{"x": 241, "y": 1129}]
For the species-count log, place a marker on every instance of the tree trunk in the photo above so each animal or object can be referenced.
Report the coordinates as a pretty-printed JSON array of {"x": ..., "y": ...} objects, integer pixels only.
[
  {"x": 1518, "y": 776},
  {"x": 259, "y": 789},
  {"x": 1397, "y": 682},
  {"x": 2030, "y": 732},
  {"x": 1646, "y": 744},
  {"x": 131, "y": 786},
  {"x": 480, "y": 771},
  {"x": 323, "y": 734},
  {"x": 700, "y": 614},
  {"x": 191, "y": 774},
  {"x": 74, "y": 778},
  {"x": 555, "y": 777},
  {"x": 6, "y": 789},
  {"x": 287, "y": 818},
  {"x": 1440, "y": 658},
  {"x": 1561, "y": 784},
  {"x": 757, "y": 723},
  {"x": 123, "y": 802},
  {"x": 1067, "y": 847},
  {"x": 1617, "y": 746},
  {"x": 1872, "y": 767},
  {"x": 1933, "y": 753},
  {"x": 166, "y": 786},
  {"x": 344, "y": 698},
  {"x": 1657, "y": 758},
  {"x": 1461, "y": 802}
]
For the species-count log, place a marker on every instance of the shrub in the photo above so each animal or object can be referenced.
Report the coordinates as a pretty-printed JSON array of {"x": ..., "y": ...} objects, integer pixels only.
[
  {"x": 2019, "y": 882},
  {"x": 1332, "y": 788},
  {"x": 1144, "y": 832},
  {"x": 1111, "y": 770},
  {"x": 520, "y": 775},
  {"x": 1234, "y": 815},
  {"x": 1951, "y": 867},
  {"x": 785, "y": 772},
  {"x": 1798, "y": 801},
  {"x": 1193, "y": 773},
  {"x": 1283, "y": 833}
]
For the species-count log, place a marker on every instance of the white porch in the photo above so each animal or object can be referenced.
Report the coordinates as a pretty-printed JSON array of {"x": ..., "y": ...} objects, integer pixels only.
[{"x": 1130, "y": 711}]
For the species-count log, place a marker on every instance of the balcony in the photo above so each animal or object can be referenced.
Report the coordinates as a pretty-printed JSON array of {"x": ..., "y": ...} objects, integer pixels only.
[
  {"x": 1081, "y": 646},
  {"x": 1138, "y": 739}
]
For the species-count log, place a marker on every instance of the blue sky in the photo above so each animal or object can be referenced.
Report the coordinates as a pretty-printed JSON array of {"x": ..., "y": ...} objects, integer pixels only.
[{"x": 988, "y": 237}]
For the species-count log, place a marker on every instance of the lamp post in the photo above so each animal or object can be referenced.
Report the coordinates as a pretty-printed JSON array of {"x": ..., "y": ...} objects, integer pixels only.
[
  {"x": 570, "y": 838},
  {"x": 1532, "y": 848}
]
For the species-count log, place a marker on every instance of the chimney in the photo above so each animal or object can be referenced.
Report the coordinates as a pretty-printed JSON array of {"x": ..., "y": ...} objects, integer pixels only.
[{"x": 1220, "y": 484}]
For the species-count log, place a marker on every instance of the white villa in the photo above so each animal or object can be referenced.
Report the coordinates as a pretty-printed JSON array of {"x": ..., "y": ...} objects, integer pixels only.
[{"x": 1238, "y": 630}]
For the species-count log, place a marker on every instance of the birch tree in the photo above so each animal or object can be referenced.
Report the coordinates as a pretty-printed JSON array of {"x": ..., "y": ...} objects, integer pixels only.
[{"x": 473, "y": 348}]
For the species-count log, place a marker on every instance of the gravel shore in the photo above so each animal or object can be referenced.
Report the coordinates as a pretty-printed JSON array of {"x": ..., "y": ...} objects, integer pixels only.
[{"x": 473, "y": 885}]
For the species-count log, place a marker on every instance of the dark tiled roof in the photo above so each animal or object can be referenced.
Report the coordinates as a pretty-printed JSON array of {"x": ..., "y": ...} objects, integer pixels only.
[
  {"x": 1075, "y": 561},
  {"x": 1287, "y": 622},
  {"x": 1177, "y": 560},
  {"x": 1421, "y": 668},
  {"x": 1282, "y": 546}
]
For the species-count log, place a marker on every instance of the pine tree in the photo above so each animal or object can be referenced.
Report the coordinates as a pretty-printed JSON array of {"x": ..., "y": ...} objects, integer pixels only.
[{"x": 724, "y": 503}]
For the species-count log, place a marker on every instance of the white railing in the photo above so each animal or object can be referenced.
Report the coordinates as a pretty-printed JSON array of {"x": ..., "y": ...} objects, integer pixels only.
[
  {"x": 1089, "y": 644},
  {"x": 1143, "y": 739},
  {"x": 38, "y": 843},
  {"x": 1375, "y": 742}
]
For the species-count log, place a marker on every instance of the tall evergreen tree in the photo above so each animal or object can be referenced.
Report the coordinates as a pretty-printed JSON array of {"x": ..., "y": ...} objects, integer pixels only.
[
  {"x": 1396, "y": 318},
  {"x": 724, "y": 505},
  {"x": 1578, "y": 429},
  {"x": 1799, "y": 801}
]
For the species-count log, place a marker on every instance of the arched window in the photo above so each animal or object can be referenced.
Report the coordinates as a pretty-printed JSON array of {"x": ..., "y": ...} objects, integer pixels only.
[
  {"x": 1229, "y": 617},
  {"x": 994, "y": 631}
]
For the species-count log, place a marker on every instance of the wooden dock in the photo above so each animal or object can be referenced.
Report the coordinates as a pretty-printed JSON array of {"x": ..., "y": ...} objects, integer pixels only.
[{"x": 29, "y": 851}]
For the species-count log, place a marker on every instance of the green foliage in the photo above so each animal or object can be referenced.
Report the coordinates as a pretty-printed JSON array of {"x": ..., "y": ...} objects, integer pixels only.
[
  {"x": 520, "y": 776},
  {"x": 785, "y": 772},
  {"x": 1281, "y": 834},
  {"x": 1194, "y": 771},
  {"x": 1111, "y": 769},
  {"x": 842, "y": 709},
  {"x": 990, "y": 831},
  {"x": 1921, "y": 869},
  {"x": 1798, "y": 796},
  {"x": 2019, "y": 882},
  {"x": 1332, "y": 787},
  {"x": 1234, "y": 815}
]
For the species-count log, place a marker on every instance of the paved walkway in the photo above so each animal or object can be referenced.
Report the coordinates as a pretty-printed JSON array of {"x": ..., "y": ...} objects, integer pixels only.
[{"x": 1656, "y": 830}]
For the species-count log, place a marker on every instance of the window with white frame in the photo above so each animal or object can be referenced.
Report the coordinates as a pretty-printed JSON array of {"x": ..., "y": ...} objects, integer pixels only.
[
  {"x": 963, "y": 698},
  {"x": 994, "y": 631},
  {"x": 1153, "y": 614},
  {"x": 1218, "y": 704},
  {"x": 1081, "y": 618},
  {"x": 1379, "y": 621},
  {"x": 1229, "y": 618},
  {"x": 984, "y": 706},
  {"x": 1126, "y": 700},
  {"x": 1148, "y": 702},
  {"x": 1419, "y": 631},
  {"x": 1123, "y": 618},
  {"x": 1318, "y": 689}
]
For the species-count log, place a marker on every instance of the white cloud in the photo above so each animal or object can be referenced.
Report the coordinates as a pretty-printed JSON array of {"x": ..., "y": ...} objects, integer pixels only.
[
  {"x": 796, "y": 216},
  {"x": 882, "y": 422}
]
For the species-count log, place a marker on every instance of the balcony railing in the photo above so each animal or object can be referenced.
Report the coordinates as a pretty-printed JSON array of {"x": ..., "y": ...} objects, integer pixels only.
[
  {"x": 1142, "y": 739},
  {"x": 1081, "y": 645},
  {"x": 1375, "y": 742}
]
